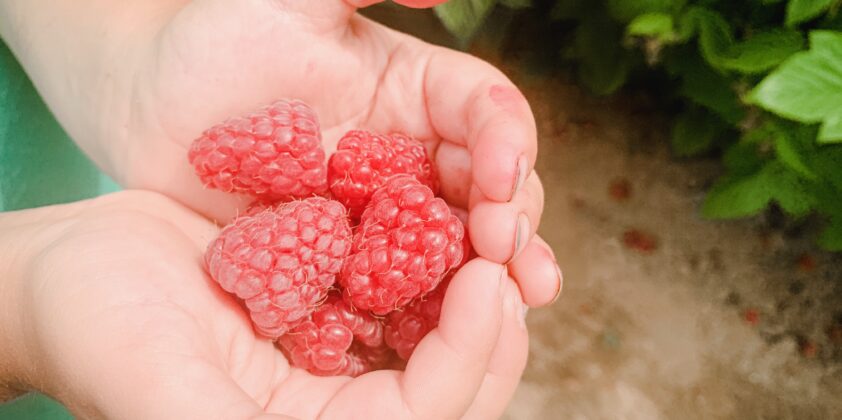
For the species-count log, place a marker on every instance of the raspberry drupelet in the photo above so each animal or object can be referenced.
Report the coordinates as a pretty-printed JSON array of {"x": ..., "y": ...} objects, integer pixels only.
[
  {"x": 336, "y": 340},
  {"x": 363, "y": 161},
  {"x": 281, "y": 261},
  {"x": 404, "y": 329},
  {"x": 406, "y": 242},
  {"x": 274, "y": 154}
]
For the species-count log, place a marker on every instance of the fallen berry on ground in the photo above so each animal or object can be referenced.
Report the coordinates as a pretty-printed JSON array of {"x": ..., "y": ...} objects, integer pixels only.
[
  {"x": 620, "y": 189},
  {"x": 751, "y": 316},
  {"x": 406, "y": 242},
  {"x": 363, "y": 162},
  {"x": 806, "y": 263},
  {"x": 640, "y": 241},
  {"x": 281, "y": 261},
  {"x": 274, "y": 154}
]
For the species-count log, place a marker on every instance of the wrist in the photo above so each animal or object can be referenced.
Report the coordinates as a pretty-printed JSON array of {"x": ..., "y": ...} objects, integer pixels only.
[
  {"x": 12, "y": 267},
  {"x": 23, "y": 236}
]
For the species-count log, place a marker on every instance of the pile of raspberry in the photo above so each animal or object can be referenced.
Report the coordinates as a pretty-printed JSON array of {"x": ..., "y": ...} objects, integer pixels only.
[{"x": 342, "y": 261}]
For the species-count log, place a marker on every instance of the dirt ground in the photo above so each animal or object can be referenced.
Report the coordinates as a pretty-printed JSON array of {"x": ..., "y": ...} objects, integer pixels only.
[{"x": 664, "y": 315}]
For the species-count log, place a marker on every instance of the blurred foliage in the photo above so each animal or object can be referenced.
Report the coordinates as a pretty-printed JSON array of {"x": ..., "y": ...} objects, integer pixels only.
[{"x": 757, "y": 81}]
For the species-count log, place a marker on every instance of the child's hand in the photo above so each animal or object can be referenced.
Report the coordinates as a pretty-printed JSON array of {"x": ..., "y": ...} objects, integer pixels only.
[
  {"x": 134, "y": 82},
  {"x": 106, "y": 307}
]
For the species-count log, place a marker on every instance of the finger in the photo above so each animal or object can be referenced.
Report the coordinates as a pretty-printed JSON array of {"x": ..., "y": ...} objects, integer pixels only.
[
  {"x": 477, "y": 106},
  {"x": 507, "y": 362},
  {"x": 447, "y": 368},
  {"x": 501, "y": 231},
  {"x": 453, "y": 164},
  {"x": 537, "y": 273}
]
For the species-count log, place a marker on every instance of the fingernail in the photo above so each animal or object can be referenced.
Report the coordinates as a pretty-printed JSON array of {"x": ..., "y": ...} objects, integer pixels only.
[
  {"x": 560, "y": 283},
  {"x": 522, "y": 318},
  {"x": 521, "y": 235},
  {"x": 520, "y": 175}
]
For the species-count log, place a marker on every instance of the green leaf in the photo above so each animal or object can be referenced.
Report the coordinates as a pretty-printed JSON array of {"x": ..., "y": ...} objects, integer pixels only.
[
  {"x": 703, "y": 85},
  {"x": 798, "y": 11},
  {"x": 626, "y": 10},
  {"x": 655, "y": 25},
  {"x": 516, "y": 4},
  {"x": 791, "y": 148},
  {"x": 714, "y": 32},
  {"x": 694, "y": 132},
  {"x": 831, "y": 237},
  {"x": 463, "y": 18},
  {"x": 831, "y": 130},
  {"x": 793, "y": 194},
  {"x": 738, "y": 197},
  {"x": 743, "y": 158},
  {"x": 808, "y": 86},
  {"x": 762, "y": 51},
  {"x": 748, "y": 195},
  {"x": 603, "y": 63},
  {"x": 757, "y": 54},
  {"x": 827, "y": 164}
]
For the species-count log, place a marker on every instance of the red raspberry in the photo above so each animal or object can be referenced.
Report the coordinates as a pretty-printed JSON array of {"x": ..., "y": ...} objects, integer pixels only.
[
  {"x": 275, "y": 154},
  {"x": 336, "y": 340},
  {"x": 281, "y": 261},
  {"x": 406, "y": 241},
  {"x": 467, "y": 248},
  {"x": 404, "y": 329},
  {"x": 364, "y": 161}
]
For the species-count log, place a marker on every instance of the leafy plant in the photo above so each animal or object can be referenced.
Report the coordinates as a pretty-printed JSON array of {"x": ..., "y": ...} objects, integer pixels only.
[{"x": 759, "y": 81}]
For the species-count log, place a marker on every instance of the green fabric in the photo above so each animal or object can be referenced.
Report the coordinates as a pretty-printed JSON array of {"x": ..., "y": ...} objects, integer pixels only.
[
  {"x": 39, "y": 165},
  {"x": 33, "y": 407}
]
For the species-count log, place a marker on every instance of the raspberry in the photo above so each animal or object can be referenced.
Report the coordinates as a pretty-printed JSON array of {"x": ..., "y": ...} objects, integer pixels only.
[
  {"x": 467, "y": 248},
  {"x": 281, "y": 261},
  {"x": 406, "y": 241},
  {"x": 336, "y": 340},
  {"x": 404, "y": 329},
  {"x": 274, "y": 154},
  {"x": 364, "y": 161}
]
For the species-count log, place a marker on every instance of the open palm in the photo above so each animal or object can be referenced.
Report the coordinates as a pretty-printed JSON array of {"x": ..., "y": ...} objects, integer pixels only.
[
  {"x": 211, "y": 60},
  {"x": 131, "y": 327}
]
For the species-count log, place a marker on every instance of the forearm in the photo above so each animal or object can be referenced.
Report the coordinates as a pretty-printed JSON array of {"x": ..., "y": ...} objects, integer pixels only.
[{"x": 79, "y": 54}]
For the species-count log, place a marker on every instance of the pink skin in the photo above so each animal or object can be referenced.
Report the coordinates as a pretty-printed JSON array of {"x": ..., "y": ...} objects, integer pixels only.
[
  {"x": 116, "y": 319},
  {"x": 141, "y": 79}
]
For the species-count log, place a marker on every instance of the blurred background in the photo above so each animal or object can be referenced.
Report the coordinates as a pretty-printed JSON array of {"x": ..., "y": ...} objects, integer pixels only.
[
  {"x": 694, "y": 198},
  {"x": 691, "y": 152}
]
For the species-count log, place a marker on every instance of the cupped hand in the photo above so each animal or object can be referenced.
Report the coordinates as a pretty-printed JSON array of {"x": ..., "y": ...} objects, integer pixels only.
[
  {"x": 198, "y": 63},
  {"x": 121, "y": 321}
]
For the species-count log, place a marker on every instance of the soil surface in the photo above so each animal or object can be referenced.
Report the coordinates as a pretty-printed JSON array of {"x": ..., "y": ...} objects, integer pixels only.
[{"x": 664, "y": 315}]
